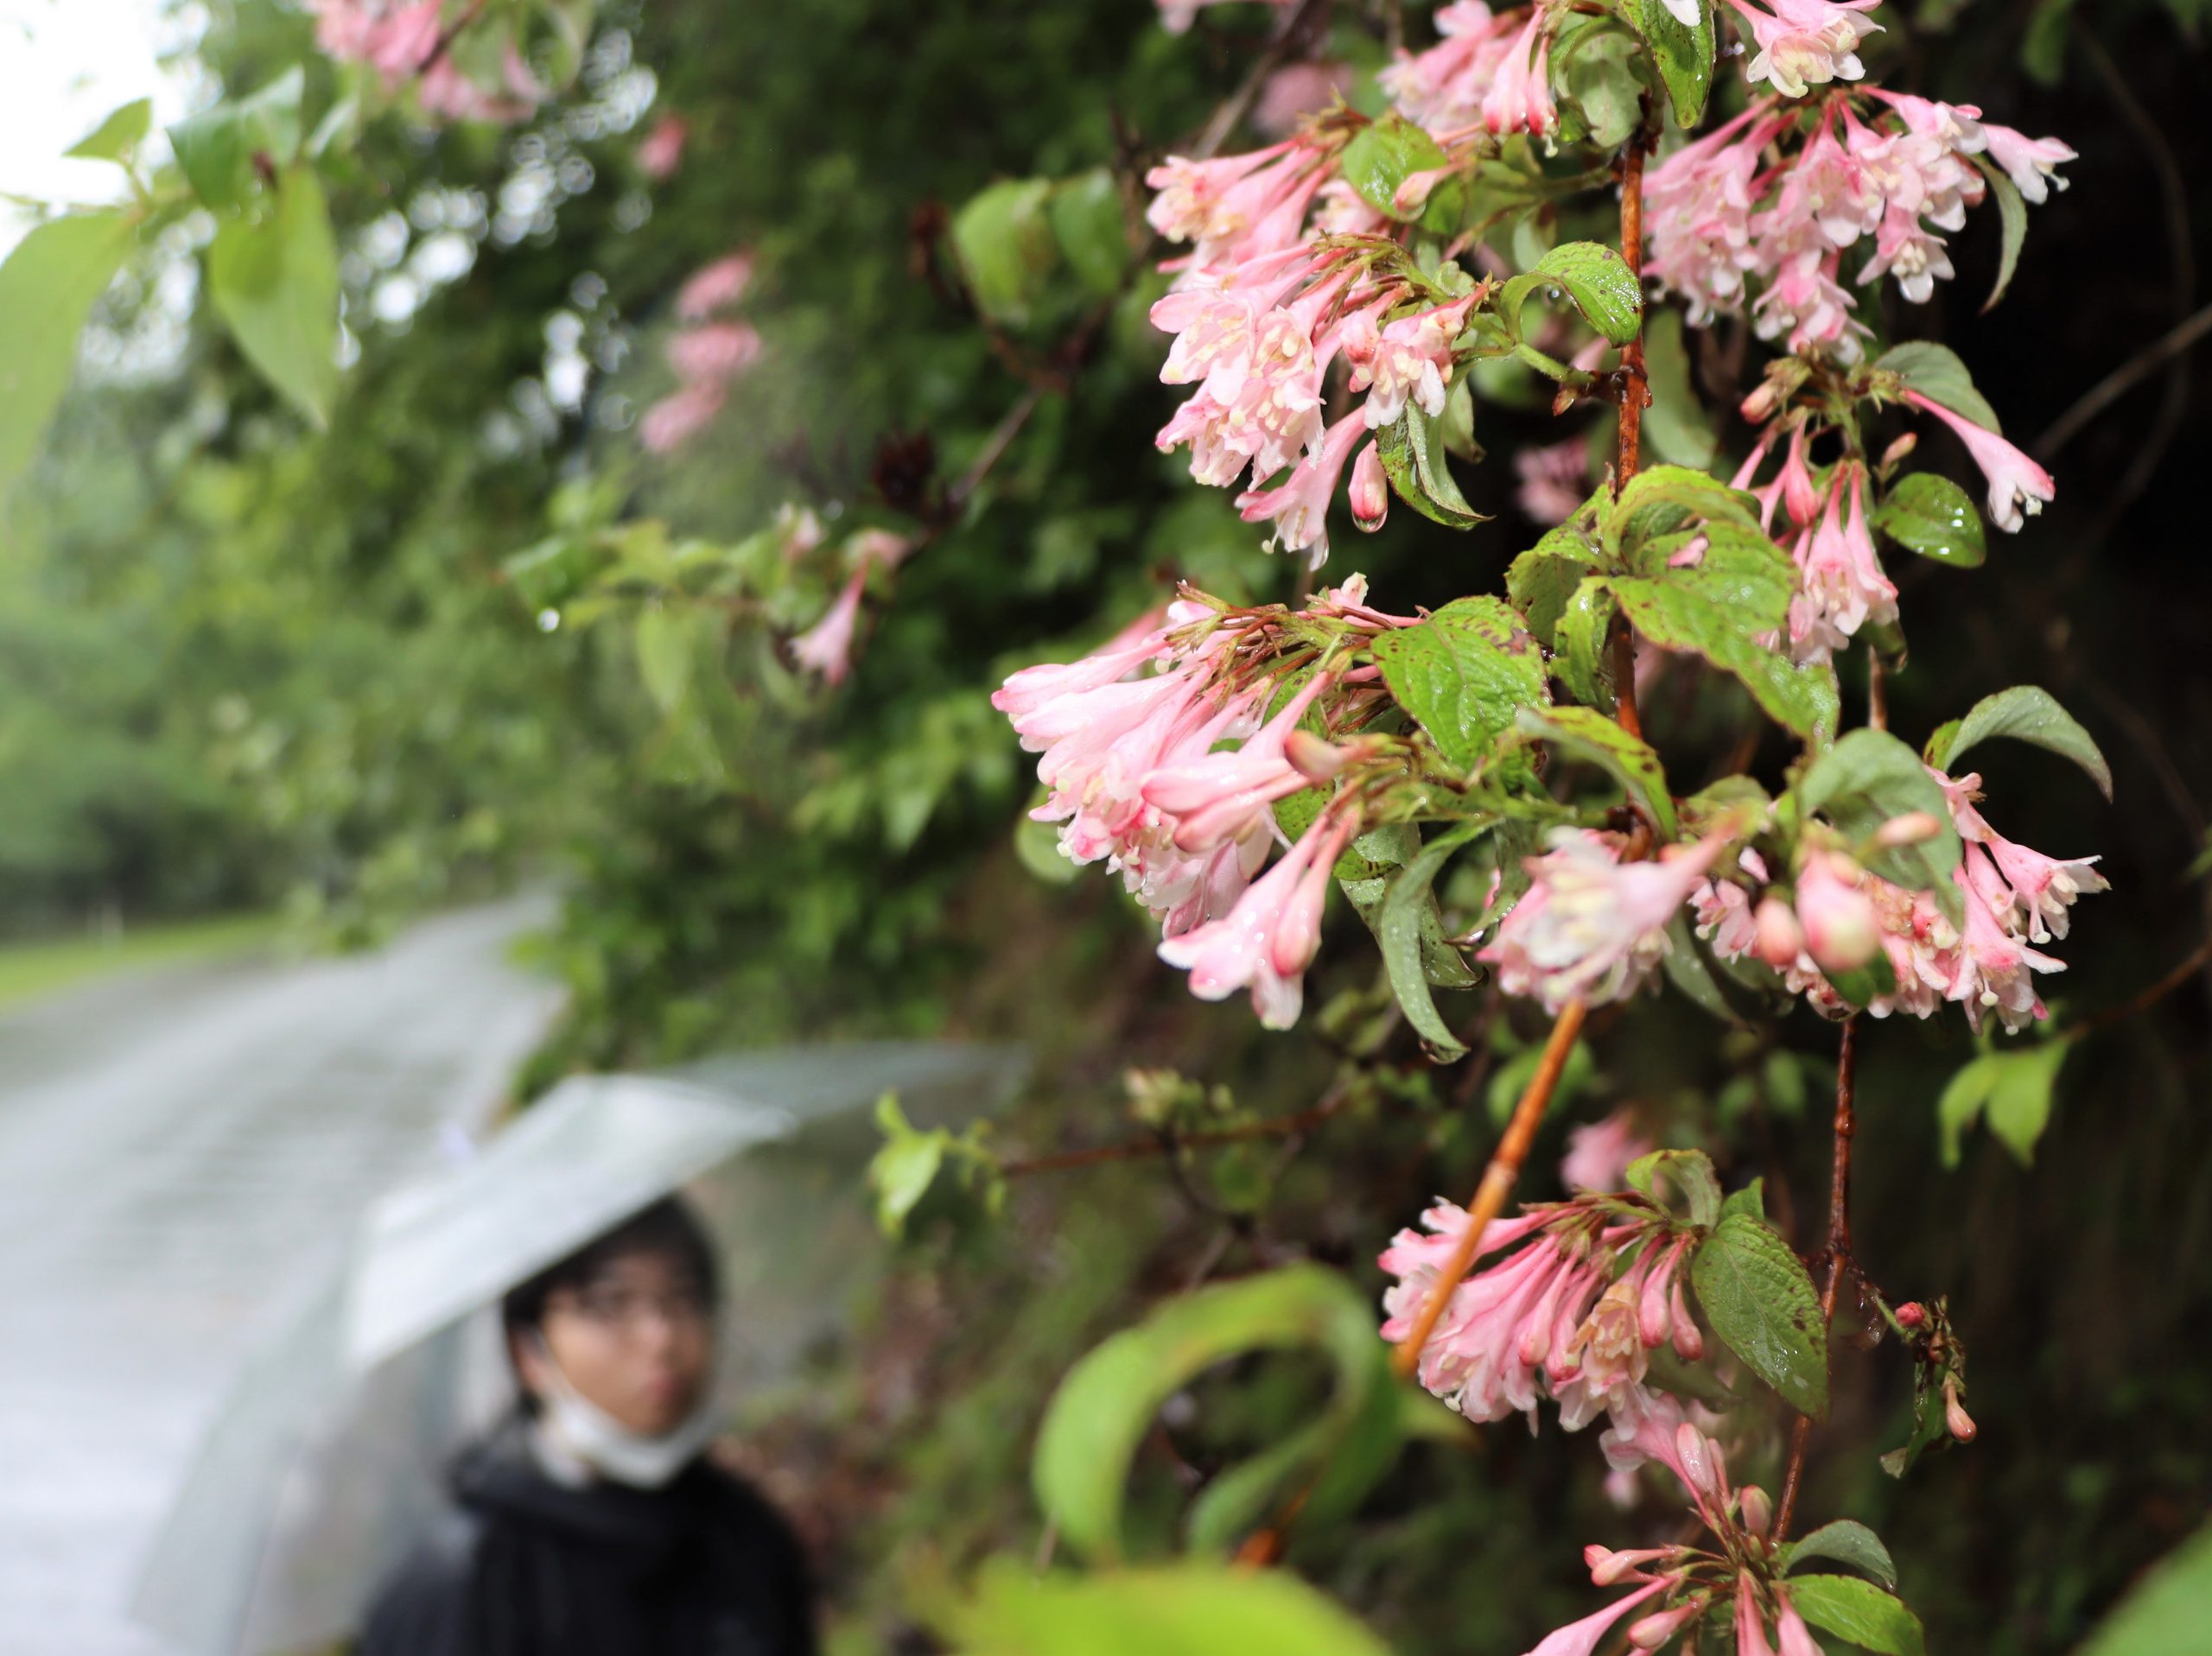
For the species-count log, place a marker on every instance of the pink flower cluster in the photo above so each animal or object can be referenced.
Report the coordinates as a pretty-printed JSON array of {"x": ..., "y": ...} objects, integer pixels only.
[
  {"x": 408, "y": 40},
  {"x": 1803, "y": 43},
  {"x": 1131, "y": 739},
  {"x": 1591, "y": 927},
  {"x": 1719, "y": 220},
  {"x": 1574, "y": 1315},
  {"x": 2013, "y": 897},
  {"x": 1281, "y": 282},
  {"x": 1842, "y": 586},
  {"x": 707, "y": 355}
]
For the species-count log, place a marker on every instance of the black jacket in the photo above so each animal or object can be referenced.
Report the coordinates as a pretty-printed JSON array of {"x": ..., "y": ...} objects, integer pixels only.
[{"x": 529, "y": 1567}]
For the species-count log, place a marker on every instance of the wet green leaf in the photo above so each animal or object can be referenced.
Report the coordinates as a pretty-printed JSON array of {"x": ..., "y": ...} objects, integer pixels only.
[
  {"x": 2025, "y": 713},
  {"x": 1762, "y": 1304},
  {"x": 1684, "y": 53},
  {"x": 1932, "y": 515},
  {"x": 1464, "y": 674},
  {"x": 1859, "y": 1611}
]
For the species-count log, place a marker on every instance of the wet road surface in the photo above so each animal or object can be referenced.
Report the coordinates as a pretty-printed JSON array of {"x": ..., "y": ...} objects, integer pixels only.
[{"x": 179, "y": 1150}]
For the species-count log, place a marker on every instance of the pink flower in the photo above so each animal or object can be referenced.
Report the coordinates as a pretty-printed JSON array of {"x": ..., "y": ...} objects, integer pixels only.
[
  {"x": 1520, "y": 98},
  {"x": 1227, "y": 796},
  {"x": 714, "y": 351},
  {"x": 1591, "y": 927},
  {"x": 1841, "y": 584},
  {"x": 1370, "y": 493},
  {"x": 1840, "y": 930},
  {"x": 1803, "y": 43},
  {"x": 2016, "y": 482},
  {"x": 883, "y": 547},
  {"x": 826, "y": 648},
  {"x": 678, "y": 418},
  {"x": 1296, "y": 91},
  {"x": 1261, "y": 399},
  {"x": 1697, "y": 215},
  {"x": 1795, "y": 1637},
  {"x": 1141, "y": 641},
  {"x": 1599, "y": 1152},
  {"x": 1751, "y": 1625},
  {"x": 1581, "y": 1638},
  {"x": 1299, "y": 508},
  {"x": 2030, "y": 162},
  {"x": 714, "y": 287},
  {"x": 1551, "y": 1319},
  {"x": 661, "y": 151},
  {"x": 1269, "y": 938},
  {"x": 1445, "y": 87},
  {"x": 1408, "y": 360},
  {"x": 1657, "y": 1629},
  {"x": 1554, "y": 480}
]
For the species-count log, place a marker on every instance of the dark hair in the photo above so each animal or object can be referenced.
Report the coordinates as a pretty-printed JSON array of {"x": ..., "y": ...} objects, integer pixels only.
[{"x": 668, "y": 1227}]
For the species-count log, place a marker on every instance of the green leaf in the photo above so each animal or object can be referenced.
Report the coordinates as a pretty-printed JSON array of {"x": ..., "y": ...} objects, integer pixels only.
[
  {"x": 2013, "y": 1087},
  {"x": 1412, "y": 451},
  {"x": 275, "y": 285},
  {"x": 1685, "y": 966},
  {"x": 901, "y": 1171},
  {"x": 1596, "y": 78},
  {"x": 1464, "y": 674},
  {"x": 1721, "y": 609},
  {"x": 664, "y": 640},
  {"x": 1542, "y": 579},
  {"x": 1675, "y": 426},
  {"x": 1406, "y": 917},
  {"x": 116, "y": 137},
  {"x": 1762, "y": 1305},
  {"x": 1382, "y": 155},
  {"x": 1845, "y": 1542},
  {"x": 1664, "y": 499},
  {"x": 1865, "y": 779},
  {"x": 1588, "y": 734},
  {"x": 1751, "y": 1200},
  {"x": 47, "y": 287},
  {"x": 1932, "y": 515},
  {"x": 222, "y": 149},
  {"x": 1004, "y": 240},
  {"x": 1687, "y": 1172},
  {"x": 1580, "y": 653},
  {"x": 1087, "y": 222},
  {"x": 2043, "y": 45},
  {"x": 1105, "y": 1408},
  {"x": 2012, "y": 216},
  {"x": 1683, "y": 53},
  {"x": 1861, "y": 985},
  {"x": 1936, "y": 373},
  {"x": 1592, "y": 274},
  {"x": 2167, "y": 1612},
  {"x": 1181, "y": 1609},
  {"x": 1859, "y": 1611},
  {"x": 2026, "y": 714}
]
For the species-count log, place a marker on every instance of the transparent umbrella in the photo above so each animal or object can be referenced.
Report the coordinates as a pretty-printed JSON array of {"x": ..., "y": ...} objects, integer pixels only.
[{"x": 328, "y": 1458}]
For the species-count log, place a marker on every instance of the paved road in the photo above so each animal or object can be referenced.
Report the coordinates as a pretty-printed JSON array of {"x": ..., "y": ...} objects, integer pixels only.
[{"x": 177, "y": 1151}]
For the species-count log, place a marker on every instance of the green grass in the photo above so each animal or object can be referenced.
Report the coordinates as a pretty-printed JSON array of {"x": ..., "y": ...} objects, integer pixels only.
[{"x": 28, "y": 970}]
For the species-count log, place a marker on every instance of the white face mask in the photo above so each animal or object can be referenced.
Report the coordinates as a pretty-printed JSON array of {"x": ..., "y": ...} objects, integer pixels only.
[{"x": 582, "y": 1428}]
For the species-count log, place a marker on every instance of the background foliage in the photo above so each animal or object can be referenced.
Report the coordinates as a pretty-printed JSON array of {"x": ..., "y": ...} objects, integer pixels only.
[{"x": 248, "y": 661}]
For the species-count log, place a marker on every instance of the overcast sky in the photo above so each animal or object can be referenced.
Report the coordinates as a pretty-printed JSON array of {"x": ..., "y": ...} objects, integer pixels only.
[{"x": 64, "y": 64}]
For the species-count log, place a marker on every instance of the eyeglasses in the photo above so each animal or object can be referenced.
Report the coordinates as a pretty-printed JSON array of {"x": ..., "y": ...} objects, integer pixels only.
[{"x": 620, "y": 1310}]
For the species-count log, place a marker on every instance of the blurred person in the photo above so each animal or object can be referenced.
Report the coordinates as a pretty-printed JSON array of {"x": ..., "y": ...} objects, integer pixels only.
[{"x": 590, "y": 1522}]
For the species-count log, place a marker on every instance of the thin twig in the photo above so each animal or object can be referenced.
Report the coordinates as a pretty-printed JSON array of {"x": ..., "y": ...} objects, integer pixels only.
[
  {"x": 1497, "y": 1181},
  {"x": 1837, "y": 1251},
  {"x": 1167, "y": 1144},
  {"x": 2198, "y": 958},
  {"x": 1216, "y": 131},
  {"x": 1635, "y": 384},
  {"x": 2114, "y": 385}
]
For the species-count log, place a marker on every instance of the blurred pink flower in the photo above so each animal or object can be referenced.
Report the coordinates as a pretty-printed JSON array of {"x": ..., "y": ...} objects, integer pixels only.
[
  {"x": 660, "y": 152},
  {"x": 680, "y": 416},
  {"x": 714, "y": 287}
]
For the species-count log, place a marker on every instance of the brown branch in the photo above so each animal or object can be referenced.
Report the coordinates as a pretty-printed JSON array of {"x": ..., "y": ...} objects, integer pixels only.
[
  {"x": 1166, "y": 1143},
  {"x": 1635, "y": 384},
  {"x": 1623, "y": 645},
  {"x": 1497, "y": 1181},
  {"x": 2109, "y": 390},
  {"x": 1837, "y": 1251},
  {"x": 2198, "y": 958}
]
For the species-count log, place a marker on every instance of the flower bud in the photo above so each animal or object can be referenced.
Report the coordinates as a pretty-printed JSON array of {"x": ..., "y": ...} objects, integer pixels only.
[
  {"x": 1780, "y": 939},
  {"x": 1655, "y": 1630},
  {"x": 1841, "y": 930},
  {"x": 1959, "y": 1423},
  {"x": 1897, "y": 450},
  {"x": 1758, "y": 1510},
  {"x": 1411, "y": 195},
  {"x": 1914, "y": 828},
  {"x": 1315, "y": 757},
  {"x": 1911, "y": 1314},
  {"x": 1369, "y": 491}
]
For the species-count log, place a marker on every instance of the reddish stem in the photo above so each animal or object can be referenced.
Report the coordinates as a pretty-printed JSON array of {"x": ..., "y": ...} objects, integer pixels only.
[{"x": 1838, "y": 1252}]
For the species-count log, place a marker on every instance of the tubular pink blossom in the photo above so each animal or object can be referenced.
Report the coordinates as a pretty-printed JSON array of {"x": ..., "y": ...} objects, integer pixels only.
[
  {"x": 714, "y": 287},
  {"x": 1406, "y": 360},
  {"x": 826, "y": 648},
  {"x": 1520, "y": 98},
  {"x": 1599, "y": 1153},
  {"x": 1793, "y": 1636},
  {"x": 1370, "y": 493},
  {"x": 1554, "y": 480},
  {"x": 1590, "y": 926},
  {"x": 2032, "y": 163},
  {"x": 1751, "y": 1625},
  {"x": 1657, "y": 1629},
  {"x": 661, "y": 150},
  {"x": 714, "y": 351},
  {"x": 1581, "y": 1638},
  {"x": 678, "y": 418},
  {"x": 1225, "y": 795},
  {"x": 2015, "y": 481},
  {"x": 1299, "y": 507},
  {"x": 1806, "y": 42},
  {"x": 1266, "y": 941}
]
